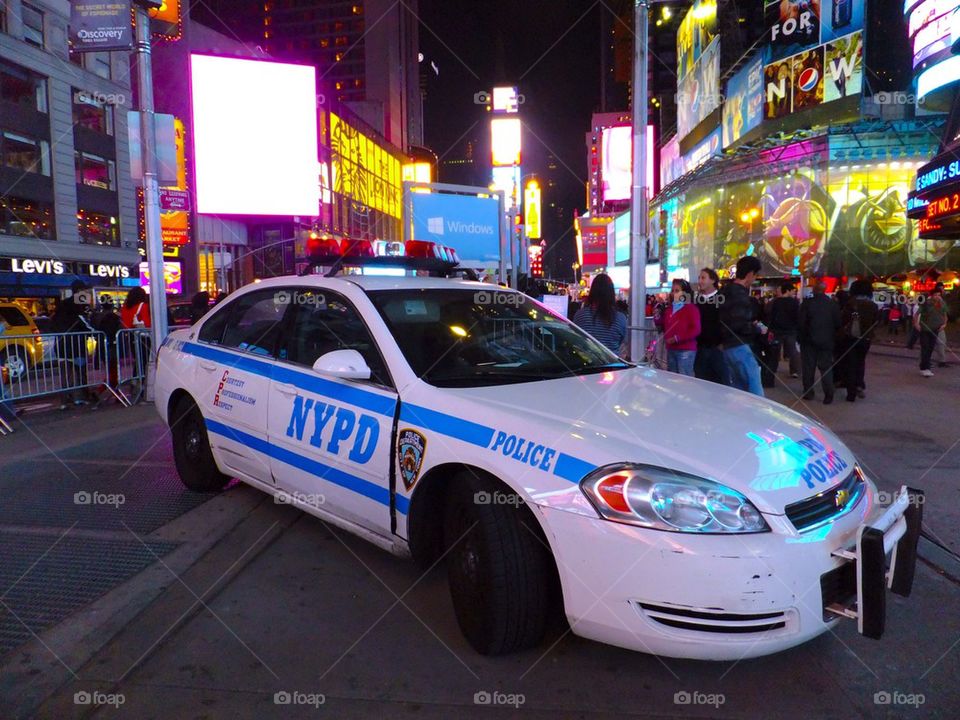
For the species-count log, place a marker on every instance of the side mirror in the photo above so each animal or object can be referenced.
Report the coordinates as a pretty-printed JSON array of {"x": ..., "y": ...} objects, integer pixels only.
[{"x": 345, "y": 364}]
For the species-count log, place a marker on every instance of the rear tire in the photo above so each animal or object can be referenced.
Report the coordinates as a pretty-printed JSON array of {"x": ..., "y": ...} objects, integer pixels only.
[
  {"x": 498, "y": 568},
  {"x": 191, "y": 449}
]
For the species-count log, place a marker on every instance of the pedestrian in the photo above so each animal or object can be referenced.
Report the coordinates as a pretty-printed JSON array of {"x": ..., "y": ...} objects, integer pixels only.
[
  {"x": 599, "y": 315},
  {"x": 199, "y": 305},
  {"x": 739, "y": 329},
  {"x": 909, "y": 318},
  {"x": 858, "y": 319},
  {"x": 785, "y": 324},
  {"x": 135, "y": 312},
  {"x": 710, "y": 363},
  {"x": 930, "y": 319},
  {"x": 940, "y": 348},
  {"x": 819, "y": 322},
  {"x": 680, "y": 323},
  {"x": 70, "y": 320},
  {"x": 109, "y": 323}
]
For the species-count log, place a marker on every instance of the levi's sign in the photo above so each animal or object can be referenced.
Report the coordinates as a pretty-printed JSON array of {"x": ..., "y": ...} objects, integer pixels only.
[{"x": 28, "y": 266}]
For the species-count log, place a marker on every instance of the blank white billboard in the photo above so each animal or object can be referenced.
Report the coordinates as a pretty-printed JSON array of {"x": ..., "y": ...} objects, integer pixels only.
[{"x": 254, "y": 137}]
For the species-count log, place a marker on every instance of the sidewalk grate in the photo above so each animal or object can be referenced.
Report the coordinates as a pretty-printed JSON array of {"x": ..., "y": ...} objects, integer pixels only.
[
  {"x": 152, "y": 497},
  {"x": 71, "y": 575}
]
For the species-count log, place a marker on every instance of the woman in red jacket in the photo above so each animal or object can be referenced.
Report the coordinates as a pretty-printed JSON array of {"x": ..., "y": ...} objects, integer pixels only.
[{"x": 680, "y": 323}]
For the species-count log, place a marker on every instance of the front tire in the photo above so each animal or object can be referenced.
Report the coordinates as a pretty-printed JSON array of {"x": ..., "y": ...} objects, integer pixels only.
[
  {"x": 14, "y": 358},
  {"x": 191, "y": 449},
  {"x": 498, "y": 568}
]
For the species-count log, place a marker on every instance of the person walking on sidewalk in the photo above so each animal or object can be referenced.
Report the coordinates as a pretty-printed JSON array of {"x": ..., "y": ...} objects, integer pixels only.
[
  {"x": 784, "y": 324},
  {"x": 680, "y": 323},
  {"x": 710, "y": 363},
  {"x": 940, "y": 348},
  {"x": 819, "y": 322},
  {"x": 739, "y": 328},
  {"x": 930, "y": 319},
  {"x": 858, "y": 319}
]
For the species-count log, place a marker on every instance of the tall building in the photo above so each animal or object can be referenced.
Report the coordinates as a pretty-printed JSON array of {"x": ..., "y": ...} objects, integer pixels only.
[
  {"x": 365, "y": 51},
  {"x": 67, "y": 203}
]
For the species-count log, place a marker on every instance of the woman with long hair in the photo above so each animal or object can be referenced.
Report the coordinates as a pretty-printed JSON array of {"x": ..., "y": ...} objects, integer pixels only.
[
  {"x": 680, "y": 323},
  {"x": 599, "y": 315},
  {"x": 136, "y": 309}
]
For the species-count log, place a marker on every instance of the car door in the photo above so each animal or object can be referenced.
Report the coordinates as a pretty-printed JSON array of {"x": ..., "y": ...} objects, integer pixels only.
[
  {"x": 331, "y": 438},
  {"x": 236, "y": 354}
]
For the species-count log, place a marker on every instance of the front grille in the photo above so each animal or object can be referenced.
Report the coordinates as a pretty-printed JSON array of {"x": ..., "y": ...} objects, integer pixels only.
[
  {"x": 713, "y": 622},
  {"x": 838, "y": 587},
  {"x": 827, "y": 506}
]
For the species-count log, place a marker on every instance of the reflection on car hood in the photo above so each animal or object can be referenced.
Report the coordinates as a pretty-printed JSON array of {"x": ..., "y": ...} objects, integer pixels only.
[{"x": 771, "y": 454}]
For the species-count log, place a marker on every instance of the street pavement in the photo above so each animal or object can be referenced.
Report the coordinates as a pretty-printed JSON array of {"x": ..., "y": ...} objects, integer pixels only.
[{"x": 175, "y": 604}]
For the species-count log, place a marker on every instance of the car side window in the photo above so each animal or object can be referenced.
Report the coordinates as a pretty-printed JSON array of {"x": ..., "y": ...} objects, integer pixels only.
[
  {"x": 323, "y": 322},
  {"x": 212, "y": 330},
  {"x": 255, "y": 321},
  {"x": 12, "y": 316}
]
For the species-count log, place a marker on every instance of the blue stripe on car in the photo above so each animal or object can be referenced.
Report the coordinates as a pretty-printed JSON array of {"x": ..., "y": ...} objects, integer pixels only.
[
  {"x": 325, "y": 472},
  {"x": 567, "y": 467}
]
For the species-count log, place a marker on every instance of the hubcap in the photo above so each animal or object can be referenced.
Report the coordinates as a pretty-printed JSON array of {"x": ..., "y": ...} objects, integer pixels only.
[
  {"x": 193, "y": 441},
  {"x": 15, "y": 366}
]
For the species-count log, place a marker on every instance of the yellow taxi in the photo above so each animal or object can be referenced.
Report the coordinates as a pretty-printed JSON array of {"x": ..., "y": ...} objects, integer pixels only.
[{"x": 21, "y": 346}]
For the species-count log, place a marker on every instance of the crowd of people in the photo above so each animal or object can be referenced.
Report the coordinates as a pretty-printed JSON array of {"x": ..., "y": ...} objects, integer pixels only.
[{"x": 730, "y": 335}]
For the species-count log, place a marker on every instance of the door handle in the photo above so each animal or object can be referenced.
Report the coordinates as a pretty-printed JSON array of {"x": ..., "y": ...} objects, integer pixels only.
[
  {"x": 286, "y": 389},
  {"x": 209, "y": 367}
]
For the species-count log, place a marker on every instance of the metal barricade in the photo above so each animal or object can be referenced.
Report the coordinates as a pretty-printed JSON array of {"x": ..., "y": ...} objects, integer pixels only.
[
  {"x": 49, "y": 363},
  {"x": 132, "y": 351}
]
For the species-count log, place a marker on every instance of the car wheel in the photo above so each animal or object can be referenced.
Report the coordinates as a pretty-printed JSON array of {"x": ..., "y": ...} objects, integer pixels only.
[
  {"x": 191, "y": 449},
  {"x": 498, "y": 569},
  {"x": 14, "y": 359}
]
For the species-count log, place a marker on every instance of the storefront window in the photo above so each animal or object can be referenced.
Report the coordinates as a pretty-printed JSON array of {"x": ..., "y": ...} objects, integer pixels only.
[
  {"x": 98, "y": 229},
  {"x": 19, "y": 85},
  {"x": 99, "y": 64},
  {"x": 91, "y": 113},
  {"x": 95, "y": 171},
  {"x": 32, "y": 24},
  {"x": 24, "y": 153},
  {"x": 26, "y": 218}
]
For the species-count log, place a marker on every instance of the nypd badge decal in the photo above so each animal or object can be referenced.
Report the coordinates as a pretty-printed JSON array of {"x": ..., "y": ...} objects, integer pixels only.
[{"x": 411, "y": 446}]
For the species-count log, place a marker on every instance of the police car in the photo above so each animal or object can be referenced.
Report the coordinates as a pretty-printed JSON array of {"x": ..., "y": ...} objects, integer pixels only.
[{"x": 459, "y": 422}]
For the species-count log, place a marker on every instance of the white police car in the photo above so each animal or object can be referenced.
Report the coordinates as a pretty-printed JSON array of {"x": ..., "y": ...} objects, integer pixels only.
[{"x": 456, "y": 421}]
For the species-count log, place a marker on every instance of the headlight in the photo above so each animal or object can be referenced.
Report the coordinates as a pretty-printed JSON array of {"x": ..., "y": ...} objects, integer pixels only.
[{"x": 665, "y": 499}]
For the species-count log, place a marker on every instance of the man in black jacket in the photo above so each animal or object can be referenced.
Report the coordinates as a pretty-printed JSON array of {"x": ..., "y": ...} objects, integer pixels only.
[
  {"x": 819, "y": 322},
  {"x": 858, "y": 318},
  {"x": 710, "y": 363},
  {"x": 784, "y": 323},
  {"x": 738, "y": 328}
]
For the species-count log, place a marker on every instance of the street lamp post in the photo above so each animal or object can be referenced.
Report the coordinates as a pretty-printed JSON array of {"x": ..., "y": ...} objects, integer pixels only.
[
  {"x": 639, "y": 220},
  {"x": 151, "y": 192}
]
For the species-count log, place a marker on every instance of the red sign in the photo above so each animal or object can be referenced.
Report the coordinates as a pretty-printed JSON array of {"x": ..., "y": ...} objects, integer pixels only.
[
  {"x": 172, "y": 199},
  {"x": 594, "y": 246}
]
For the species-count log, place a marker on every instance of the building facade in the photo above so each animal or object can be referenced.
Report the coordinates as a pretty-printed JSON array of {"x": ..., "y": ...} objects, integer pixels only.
[{"x": 67, "y": 201}]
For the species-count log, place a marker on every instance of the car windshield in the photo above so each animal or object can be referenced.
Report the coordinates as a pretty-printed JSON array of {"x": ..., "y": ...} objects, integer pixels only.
[{"x": 464, "y": 338}]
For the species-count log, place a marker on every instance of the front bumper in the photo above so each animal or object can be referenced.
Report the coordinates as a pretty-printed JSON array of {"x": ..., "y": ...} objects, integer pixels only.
[{"x": 721, "y": 597}]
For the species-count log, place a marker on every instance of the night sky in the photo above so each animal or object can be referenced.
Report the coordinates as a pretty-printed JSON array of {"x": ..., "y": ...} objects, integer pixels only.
[{"x": 550, "y": 49}]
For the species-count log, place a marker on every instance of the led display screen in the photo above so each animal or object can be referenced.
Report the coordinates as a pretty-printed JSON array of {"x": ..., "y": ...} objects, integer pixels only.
[{"x": 254, "y": 137}]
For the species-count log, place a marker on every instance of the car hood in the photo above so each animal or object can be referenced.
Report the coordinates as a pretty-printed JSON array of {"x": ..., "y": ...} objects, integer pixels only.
[{"x": 771, "y": 454}]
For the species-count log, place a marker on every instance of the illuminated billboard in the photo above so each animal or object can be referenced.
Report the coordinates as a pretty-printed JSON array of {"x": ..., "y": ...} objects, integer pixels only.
[
  {"x": 363, "y": 169},
  {"x": 505, "y": 141},
  {"x": 172, "y": 276},
  {"x": 698, "y": 93},
  {"x": 531, "y": 210},
  {"x": 934, "y": 27},
  {"x": 696, "y": 32},
  {"x": 254, "y": 137},
  {"x": 616, "y": 163},
  {"x": 467, "y": 223},
  {"x": 743, "y": 104},
  {"x": 507, "y": 179},
  {"x": 822, "y": 74},
  {"x": 505, "y": 100},
  {"x": 793, "y": 25}
]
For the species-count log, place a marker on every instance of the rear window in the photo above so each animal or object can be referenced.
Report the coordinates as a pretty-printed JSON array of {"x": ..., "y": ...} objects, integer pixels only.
[{"x": 12, "y": 316}]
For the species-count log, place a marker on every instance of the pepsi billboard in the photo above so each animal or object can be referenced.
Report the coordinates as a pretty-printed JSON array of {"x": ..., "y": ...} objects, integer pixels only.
[{"x": 468, "y": 223}]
